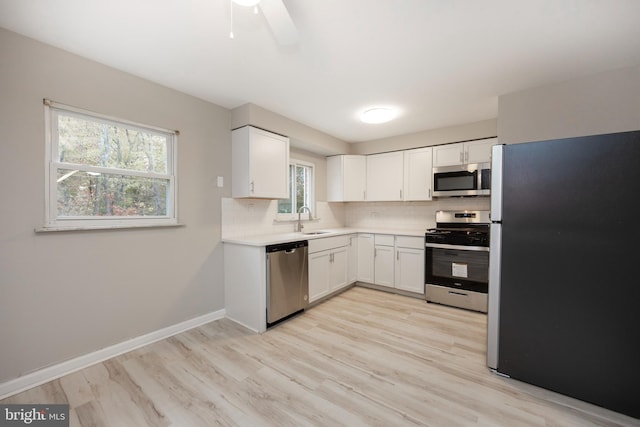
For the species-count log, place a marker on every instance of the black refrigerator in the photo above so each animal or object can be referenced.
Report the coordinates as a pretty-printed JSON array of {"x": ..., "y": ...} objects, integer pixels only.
[{"x": 564, "y": 274}]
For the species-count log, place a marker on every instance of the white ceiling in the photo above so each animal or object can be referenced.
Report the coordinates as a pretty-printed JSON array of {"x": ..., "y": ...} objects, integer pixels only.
[{"x": 441, "y": 62}]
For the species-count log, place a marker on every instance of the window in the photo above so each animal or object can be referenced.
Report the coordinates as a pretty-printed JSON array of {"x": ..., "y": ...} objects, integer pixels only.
[
  {"x": 301, "y": 189},
  {"x": 105, "y": 172}
]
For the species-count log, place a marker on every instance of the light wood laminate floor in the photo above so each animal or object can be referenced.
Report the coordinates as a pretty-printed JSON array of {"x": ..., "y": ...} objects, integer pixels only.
[{"x": 364, "y": 357}]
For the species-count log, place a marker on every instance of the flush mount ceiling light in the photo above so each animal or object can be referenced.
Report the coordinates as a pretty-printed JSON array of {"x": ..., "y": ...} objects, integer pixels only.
[
  {"x": 245, "y": 3},
  {"x": 378, "y": 115}
]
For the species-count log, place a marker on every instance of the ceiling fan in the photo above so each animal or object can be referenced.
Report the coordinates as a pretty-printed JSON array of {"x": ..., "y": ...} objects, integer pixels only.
[{"x": 278, "y": 18}]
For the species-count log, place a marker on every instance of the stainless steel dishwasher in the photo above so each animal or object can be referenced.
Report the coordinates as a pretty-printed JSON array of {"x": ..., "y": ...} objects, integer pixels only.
[{"x": 287, "y": 280}]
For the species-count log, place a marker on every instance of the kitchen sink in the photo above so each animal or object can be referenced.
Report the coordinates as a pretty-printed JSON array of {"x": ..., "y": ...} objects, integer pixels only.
[{"x": 311, "y": 233}]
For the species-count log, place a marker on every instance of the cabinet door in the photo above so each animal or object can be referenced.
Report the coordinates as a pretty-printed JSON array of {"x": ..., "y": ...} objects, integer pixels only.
[
  {"x": 352, "y": 259},
  {"x": 355, "y": 178},
  {"x": 335, "y": 179},
  {"x": 365, "y": 258},
  {"x": 384, "y": 176},
  {"x": 269, "y": 164},
  {"x": 346, "y": 178},
  {"x": 448, "y": 155},
  {"x": 383, "y": 265},
  {"x": 479, "y": 151},
  {"x": 260, "y": 164},
  {"x": 409, "y": 272},
  {"x": 318, "y": 275},
  {"x": 338, "y": 268},
  {"x": 418, "y": 174}
]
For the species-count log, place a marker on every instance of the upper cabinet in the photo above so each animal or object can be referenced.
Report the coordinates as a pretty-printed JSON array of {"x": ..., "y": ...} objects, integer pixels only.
[
  {"x": 385, "y": 176},
  {"x": 463, "y": 152},
  {"x": 260, "y": 164},
  {"x": 418, "y": 174},
  {"x": 346, "y": 178}
]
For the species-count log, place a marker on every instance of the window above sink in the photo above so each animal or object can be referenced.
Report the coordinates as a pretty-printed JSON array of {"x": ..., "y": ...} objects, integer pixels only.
[{"x": 301, "y": 191}]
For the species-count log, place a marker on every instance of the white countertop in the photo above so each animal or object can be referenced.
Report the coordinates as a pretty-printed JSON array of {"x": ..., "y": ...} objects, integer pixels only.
[{"x": 272, "y": 239}]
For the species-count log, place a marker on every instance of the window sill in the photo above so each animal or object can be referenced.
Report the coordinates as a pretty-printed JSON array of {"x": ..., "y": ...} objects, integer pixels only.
[{"x": 102, "y": 227}]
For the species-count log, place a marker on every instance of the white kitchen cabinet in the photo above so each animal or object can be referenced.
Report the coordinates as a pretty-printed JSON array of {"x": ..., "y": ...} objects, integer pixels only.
[
  {"x": 448, "y": 155},
  {"x": 260, "y": 164},
  {"x": 352, "y": 259},
  {"x": 383, "y": 262},
  {"x": 418, "y": 175},
  {"x": 245, "y": 285},
  {"x": 365, "y": 257},
  {"x": 463, "y": 152},
  {"x": 346, "y": 178},
  {"x": 328, "y": 266},
  {"x": 409, "y": 264},
  {"x": 385, "y": 176},
  {"x": 318, "y": 275},
  {"x": 338, "y": 268},
  {"x": 479, "y": 151},
  {"x": 327, "y": 272}
]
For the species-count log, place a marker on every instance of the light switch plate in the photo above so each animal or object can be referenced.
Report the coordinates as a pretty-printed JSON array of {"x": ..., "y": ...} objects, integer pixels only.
[{"x": 220, "y": 181}]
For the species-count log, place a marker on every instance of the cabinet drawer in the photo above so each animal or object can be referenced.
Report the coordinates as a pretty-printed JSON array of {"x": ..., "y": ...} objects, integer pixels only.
[
  {"x": 322, "y": 244},
  {"x": 410, "y": 242},
  {"x": 384, "y": 239}
]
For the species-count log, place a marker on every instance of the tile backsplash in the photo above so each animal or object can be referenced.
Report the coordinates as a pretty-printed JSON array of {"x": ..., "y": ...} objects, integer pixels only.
[
  {"x": 245, "y": 217},
  {"x": 407, "y": 215}
]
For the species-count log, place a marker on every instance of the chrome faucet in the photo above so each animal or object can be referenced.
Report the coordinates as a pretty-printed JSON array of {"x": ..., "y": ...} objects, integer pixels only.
[{"x": 302, "y": 208}]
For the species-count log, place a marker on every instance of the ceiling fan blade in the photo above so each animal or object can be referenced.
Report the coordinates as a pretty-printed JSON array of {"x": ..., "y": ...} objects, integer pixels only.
[{"x": 280, "y": 22}]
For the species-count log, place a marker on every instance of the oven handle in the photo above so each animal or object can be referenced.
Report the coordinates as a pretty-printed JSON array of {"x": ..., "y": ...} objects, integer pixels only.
[{"x": 457, "y": 247}]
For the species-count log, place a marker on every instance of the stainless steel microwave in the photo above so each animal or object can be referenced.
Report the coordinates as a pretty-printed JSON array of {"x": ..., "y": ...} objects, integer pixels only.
[{"x": 462, "y": 180}]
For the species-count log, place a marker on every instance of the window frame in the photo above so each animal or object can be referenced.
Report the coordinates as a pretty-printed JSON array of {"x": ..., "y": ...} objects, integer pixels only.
[
  {"x": 53, "y": 222},
  {"x": 293, "y": 216}
]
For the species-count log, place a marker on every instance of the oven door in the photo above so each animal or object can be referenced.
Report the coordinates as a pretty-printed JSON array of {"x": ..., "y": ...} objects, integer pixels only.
[{"x": 460, "y": 267}]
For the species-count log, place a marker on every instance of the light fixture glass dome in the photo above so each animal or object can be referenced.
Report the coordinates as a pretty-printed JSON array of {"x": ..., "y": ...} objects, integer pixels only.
[
  {"x": 247, "y": 3},
  {"x": 378, "y": 115}
]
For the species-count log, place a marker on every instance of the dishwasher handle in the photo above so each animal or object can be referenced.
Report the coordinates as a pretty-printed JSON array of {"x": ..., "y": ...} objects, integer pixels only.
[{"x": 288, "y": 247}]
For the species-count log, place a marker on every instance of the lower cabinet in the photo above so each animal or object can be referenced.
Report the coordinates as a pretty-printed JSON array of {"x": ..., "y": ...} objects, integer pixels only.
[
  {"x": 352, "y": 259},
  {"x": 410, "y": 269},
  {"x": 328, "y": 268},
  {"x": 381, "y": 259},
  {"x": 392, "y": 261},
  {"x": 383, "y": 274},
  {"x": 365, "y": 258}
]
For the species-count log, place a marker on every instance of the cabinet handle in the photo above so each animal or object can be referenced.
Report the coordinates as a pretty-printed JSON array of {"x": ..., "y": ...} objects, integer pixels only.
[
  {"x": 429, "y": 193},
  {"x": 461, "y": 157},
  {"x": 466, "y": 156},
  {"x": 364, "y": 195},
  {"x": 330, "y": 257},
  {"x": 375, "y": 252},
  {"x": 400, "y": 194},
  {"x": 397, "y": 255},
  {"x": 252, "y": 187}
]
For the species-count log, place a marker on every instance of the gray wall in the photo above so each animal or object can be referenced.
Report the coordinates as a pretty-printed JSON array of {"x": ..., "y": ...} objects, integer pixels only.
[
  {"x": 69, "y": 293},
  {"x": 458, "y": 133},
  {"x": 301, "y": 136},
  {"x": 602, "y": 103}
]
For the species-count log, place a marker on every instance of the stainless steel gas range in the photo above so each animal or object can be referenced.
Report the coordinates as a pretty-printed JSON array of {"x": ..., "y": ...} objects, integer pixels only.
[{"x": 457, "y": 259}]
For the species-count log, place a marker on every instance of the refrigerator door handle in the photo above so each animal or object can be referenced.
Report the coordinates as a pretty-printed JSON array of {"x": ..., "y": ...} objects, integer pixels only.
[
  {"x": 497, "y": 155},
  {"x": 493, "y": 311}
]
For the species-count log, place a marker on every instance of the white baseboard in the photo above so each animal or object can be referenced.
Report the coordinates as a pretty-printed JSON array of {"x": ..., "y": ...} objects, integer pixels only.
[{"x": 58, "y": 370}]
